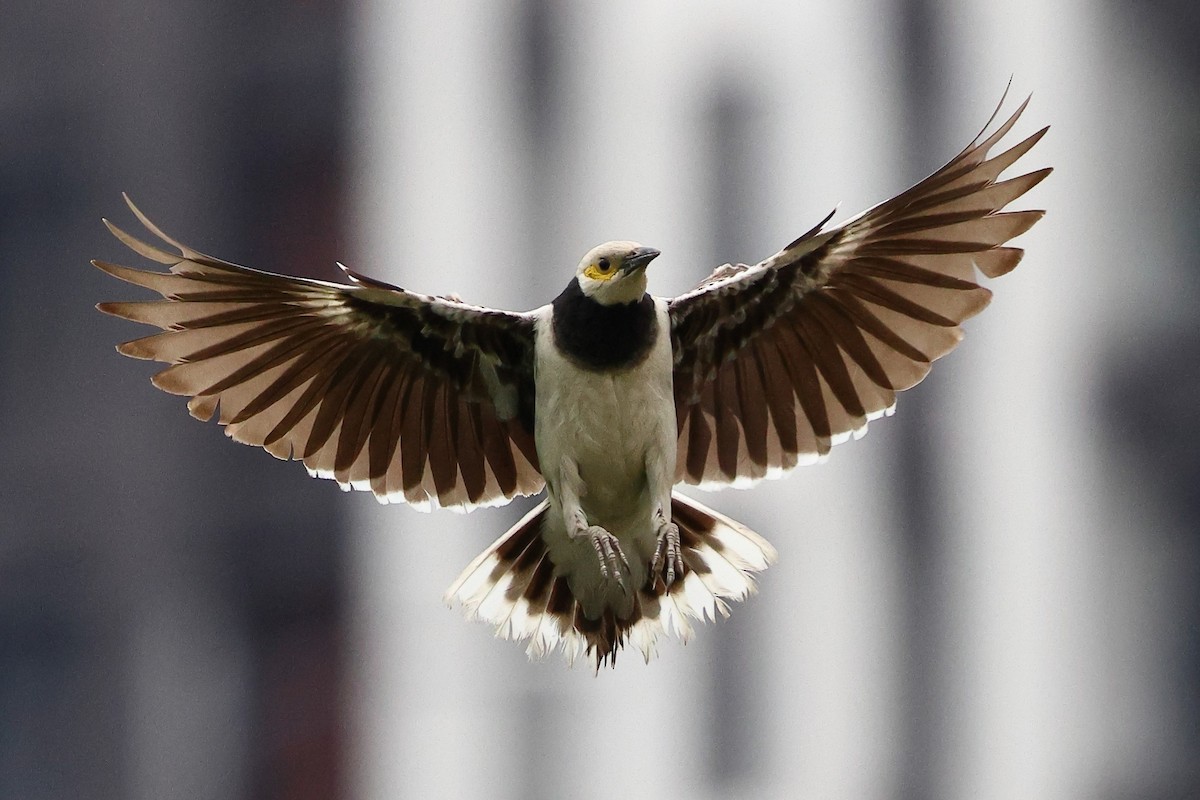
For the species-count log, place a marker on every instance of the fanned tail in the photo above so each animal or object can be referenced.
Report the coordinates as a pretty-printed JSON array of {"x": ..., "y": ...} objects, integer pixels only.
[{"x": 513, "y": 584}]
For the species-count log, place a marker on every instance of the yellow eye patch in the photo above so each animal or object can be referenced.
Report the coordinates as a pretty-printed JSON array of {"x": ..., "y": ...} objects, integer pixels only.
[{"x": 602, "y": 270}]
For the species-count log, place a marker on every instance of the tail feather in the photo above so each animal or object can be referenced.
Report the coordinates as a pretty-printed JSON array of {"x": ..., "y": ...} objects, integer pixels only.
[{"x": 514, "y": 585}]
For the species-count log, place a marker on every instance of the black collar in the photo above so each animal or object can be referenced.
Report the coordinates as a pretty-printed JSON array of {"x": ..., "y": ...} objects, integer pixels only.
[{"x": 600, "y": 337}]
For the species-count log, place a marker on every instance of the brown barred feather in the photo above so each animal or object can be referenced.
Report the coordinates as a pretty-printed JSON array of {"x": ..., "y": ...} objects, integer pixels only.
[
  {"x": 874, "y": 291},
  {"x": 523, "y": 444},
  {"x": 826, "y": 354},
  {"x": 255, "y": 429},
  {"x": 413, "y": 436},
  {"x": 471, "y": 459},
  {"x": 751, "y": 395},
  {"x": 779, "y": 395},
  {"x": 369, "y": 384},
  {"x": 497, "y": 449},
  {"x": 842, "y": 318},
  {"x": 825, "y": 312},
  {"x": 442, "y": 457},
  {"x": 170, "y": 315},
  {"x": 244, "y": 335},
  {"x": 727, "y": 413},
  {"x": 866, "y": 318},
  {"x": 698, "y": 445},
  {"x": 897, "y": 269},
  {"x": 305, "y": 358},
  {"x": 385, "y": 434},
  {"x": 980, "y": 196},
  {"x": 329, "y": 400},
  {"x": 358, "y": 416},
  {"x": 806, "y": 383}
]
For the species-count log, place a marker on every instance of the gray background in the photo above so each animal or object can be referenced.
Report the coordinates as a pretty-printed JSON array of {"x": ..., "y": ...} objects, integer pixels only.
[{"x": 992, "y": 595}]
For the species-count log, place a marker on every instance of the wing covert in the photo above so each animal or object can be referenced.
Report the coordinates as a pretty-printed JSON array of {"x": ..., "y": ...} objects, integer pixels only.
[
  {"x": 419, "y": 399},
  {"x": 775, "y": 363}
]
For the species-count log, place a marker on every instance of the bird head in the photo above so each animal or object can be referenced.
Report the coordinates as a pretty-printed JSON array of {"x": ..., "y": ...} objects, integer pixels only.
[{"x": 615, "y": 272}]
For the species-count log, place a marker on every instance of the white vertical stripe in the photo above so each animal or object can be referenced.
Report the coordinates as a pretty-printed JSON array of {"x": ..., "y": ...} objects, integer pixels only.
[
  {"x": 831, "y": 602},
  {"x": 436, "y": 211},
  {"x": 1042, "y": 695}
]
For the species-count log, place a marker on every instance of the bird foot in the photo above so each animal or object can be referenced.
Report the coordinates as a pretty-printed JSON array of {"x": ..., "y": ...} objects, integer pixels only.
[
  {"x": 668, "y": 552},
  {"x": 608, "y": 550}
]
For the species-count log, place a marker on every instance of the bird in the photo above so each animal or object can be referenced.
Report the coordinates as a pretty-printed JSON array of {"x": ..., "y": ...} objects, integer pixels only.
[{"x": 607, "y": 398}]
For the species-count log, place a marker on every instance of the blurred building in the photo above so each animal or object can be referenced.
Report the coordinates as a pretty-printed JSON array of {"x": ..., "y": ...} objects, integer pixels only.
[{"x": 991, "y": 596}]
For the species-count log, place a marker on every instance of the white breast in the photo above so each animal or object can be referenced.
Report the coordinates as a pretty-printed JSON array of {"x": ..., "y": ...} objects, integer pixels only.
[{"x": 606, "y": 422}]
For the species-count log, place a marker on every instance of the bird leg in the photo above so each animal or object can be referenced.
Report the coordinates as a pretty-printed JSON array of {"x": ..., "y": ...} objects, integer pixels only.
[
  {"x": 659, "y": 475},
  {"x": 608, "y": 549},
  {"x": 667, "y": 551}
]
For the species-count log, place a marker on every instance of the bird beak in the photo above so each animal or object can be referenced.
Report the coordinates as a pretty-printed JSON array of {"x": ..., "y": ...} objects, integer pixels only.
[{"x": 639, "y": 259}]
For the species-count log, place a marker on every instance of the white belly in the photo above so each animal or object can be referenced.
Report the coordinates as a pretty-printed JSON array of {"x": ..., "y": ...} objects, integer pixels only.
[{"x": 606, "y": 423}]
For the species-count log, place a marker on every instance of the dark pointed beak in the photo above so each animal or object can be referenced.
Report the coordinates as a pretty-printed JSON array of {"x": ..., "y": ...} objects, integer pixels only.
[{"x": 640, "y": 259}]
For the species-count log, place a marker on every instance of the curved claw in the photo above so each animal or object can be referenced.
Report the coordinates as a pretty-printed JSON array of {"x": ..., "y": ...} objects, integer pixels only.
[
  {"x": 608, "y": 550},
  {"x": 668, "y": 550}
]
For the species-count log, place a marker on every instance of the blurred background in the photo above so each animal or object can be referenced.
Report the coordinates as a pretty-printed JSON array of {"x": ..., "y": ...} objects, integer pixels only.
[{"x": 993, "y": 595}]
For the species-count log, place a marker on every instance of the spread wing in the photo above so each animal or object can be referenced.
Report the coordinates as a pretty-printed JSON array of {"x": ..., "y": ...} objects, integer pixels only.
[
  {"x": 775, "y": 363},
  {"x": 419, "y": 399}
]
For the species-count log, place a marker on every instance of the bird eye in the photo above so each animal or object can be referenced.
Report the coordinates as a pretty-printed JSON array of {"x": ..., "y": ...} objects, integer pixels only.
[{"x": 605, "y": 265}]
